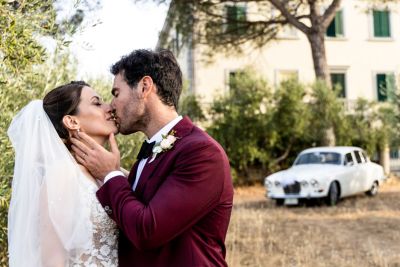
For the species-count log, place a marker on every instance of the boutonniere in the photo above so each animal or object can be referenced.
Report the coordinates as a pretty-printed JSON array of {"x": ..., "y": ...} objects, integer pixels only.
[{"x": 165, "y": 144}]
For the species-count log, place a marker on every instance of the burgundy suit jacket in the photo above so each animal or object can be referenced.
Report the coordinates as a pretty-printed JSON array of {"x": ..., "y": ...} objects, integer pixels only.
[{"x": 178, "y": 215}]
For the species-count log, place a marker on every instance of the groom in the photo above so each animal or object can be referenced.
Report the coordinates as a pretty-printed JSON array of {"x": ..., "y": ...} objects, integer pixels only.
[{"x": 175, "y": 206}]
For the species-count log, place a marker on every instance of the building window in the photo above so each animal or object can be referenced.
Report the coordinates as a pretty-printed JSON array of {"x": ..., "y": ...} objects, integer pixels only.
[
  {"x": 386, "y": 86},
  {"x": 236, "y": 16},
  {"x": 232, "y": 78},
  {"x": 381, "y": 23},
  {"x": 394, "y": 153},
  {"x": 335, "y": 29},
  {"x": 338, "y": 81}
]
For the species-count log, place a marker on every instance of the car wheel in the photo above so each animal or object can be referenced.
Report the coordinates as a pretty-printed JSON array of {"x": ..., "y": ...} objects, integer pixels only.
[
  {"x": 279, "y": 202},
  {"x": 333, "y": 194},
  {"x": 373, "y": 191}
]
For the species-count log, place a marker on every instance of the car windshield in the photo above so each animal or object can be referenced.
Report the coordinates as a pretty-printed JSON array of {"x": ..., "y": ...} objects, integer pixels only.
[{"x": 319, "y": 158}]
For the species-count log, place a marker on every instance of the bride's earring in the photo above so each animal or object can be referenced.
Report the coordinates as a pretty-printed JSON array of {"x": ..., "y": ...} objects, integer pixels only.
[{"x": 79, "y": 130}]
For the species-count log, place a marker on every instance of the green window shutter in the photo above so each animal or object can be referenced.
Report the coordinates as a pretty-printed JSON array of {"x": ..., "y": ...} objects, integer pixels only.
[
  {"x": 381, "y": 87},
  {"x": 231, "y": 81},
  {"x": 335, "y": 29},
  {"x": 235, "y": 16},
  {"x": 339, "y": 23},
  {"x": 241, "y": 13},
  {"x": 241, "y": 17},
  {"x": 231, "y": 13},
  {"x": 234, "y": 78},
  {"x": 339, "y": 81},
  {"x": 381, "y": 23},
  {"x": 377, "y": 23},
  {"x": 231, "y": 18},
  {"x": 385, "y": 22},
  {"x": 390, "y": 86}
]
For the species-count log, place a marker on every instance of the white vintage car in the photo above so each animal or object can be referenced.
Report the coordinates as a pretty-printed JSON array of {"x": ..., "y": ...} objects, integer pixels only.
[{"x": 328, "y": 173}]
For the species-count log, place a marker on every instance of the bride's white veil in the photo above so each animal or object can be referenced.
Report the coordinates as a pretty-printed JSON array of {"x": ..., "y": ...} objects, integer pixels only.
[{"x": 47, "y": 206}]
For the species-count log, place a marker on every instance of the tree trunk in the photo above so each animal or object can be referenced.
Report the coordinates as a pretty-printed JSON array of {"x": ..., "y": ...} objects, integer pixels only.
[
  {"x": 284, "y": 155},
  {"x": 321, "y": 69},
  {"x": 384, "y": 158},
  {"x": 329, "y": 138},
  {"x": 317, "y": 43}
]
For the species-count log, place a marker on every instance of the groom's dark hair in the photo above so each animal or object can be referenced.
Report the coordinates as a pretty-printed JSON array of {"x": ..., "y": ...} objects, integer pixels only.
[{"x": 160, "y": 65}]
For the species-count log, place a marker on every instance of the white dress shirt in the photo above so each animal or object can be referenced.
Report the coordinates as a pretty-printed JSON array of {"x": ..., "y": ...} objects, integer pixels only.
[{"x": 156, "y": 138}]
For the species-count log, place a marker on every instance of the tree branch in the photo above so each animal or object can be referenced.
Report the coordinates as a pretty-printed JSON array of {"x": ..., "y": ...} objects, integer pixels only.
[
  {"x": 281, "y": 6},
  {"x": 330, "y": 13},
  {"x": 284, "y": 155}
]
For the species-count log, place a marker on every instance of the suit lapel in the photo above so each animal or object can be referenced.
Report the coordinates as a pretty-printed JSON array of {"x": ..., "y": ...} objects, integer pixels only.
[
  {"x": 132, "y": 173},
  {"x": 148, "y": 170},
  {"x": 182, "y": 128}
]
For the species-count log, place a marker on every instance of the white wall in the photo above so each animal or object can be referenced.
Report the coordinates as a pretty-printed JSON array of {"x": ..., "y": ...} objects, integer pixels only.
[{"x": 358, "y": 53}]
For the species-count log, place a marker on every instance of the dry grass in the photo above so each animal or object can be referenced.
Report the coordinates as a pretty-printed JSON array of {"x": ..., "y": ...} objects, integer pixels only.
[{"x": 359, "y": 231}]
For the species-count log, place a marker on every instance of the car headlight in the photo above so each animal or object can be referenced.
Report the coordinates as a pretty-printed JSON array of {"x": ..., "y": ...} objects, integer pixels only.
[
  {"x": 304, "y": 183},
  {"x": 277, "y": 183},
  {"x": 268, "y": 183},
  {"x": 314, "y": 183}
]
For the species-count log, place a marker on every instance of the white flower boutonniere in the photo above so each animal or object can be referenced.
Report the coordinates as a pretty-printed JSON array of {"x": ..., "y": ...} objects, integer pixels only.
[{"x": 166, "y": 143}]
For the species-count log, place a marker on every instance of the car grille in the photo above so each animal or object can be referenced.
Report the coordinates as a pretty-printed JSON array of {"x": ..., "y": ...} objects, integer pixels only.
[{"x": 292, "y": 188}]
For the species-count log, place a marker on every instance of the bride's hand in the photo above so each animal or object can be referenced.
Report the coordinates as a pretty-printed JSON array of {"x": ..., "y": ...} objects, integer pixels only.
[{"x": 94, "y": 157}]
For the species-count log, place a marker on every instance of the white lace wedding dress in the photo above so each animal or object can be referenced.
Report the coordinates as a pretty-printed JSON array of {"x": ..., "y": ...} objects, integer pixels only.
[
  {"x": 54, "y": 217},
  {"x": 104, "y": 250}
]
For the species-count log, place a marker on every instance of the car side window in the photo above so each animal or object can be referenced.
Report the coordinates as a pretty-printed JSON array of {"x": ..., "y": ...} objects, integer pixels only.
[
  {"x": 348, "y": 159},
  {"x": 362, "y": 156},
  {"x": 358, "y": 156},
  {"x": 365, "y": 156}
]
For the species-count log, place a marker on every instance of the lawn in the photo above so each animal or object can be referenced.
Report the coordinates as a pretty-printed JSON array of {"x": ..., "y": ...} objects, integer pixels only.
[{"x": 359, "y": 231}]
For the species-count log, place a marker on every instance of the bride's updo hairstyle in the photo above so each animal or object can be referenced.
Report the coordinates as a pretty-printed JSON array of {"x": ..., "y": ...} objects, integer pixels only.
[{"x": 61, "y": 101}]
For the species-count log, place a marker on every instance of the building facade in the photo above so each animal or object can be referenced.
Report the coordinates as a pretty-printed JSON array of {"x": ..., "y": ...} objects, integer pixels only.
[{"x": 362, "y": 49}]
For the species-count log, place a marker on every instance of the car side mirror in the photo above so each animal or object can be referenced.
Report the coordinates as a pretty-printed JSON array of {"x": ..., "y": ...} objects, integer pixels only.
[{"x": 349, "y": 163}]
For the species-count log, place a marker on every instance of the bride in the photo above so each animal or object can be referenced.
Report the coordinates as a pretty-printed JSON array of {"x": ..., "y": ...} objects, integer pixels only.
[{"x": 54, "y": 217}]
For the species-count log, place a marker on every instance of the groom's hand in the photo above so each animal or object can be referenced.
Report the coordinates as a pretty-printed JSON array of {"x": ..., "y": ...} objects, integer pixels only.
[{"x": 94, "y": 157}]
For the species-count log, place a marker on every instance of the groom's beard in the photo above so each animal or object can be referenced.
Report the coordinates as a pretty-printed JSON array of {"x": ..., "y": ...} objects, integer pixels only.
[{"x": 131, "y": 125}]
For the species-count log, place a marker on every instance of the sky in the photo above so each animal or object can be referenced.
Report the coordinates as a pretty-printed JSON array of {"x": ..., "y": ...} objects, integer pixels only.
[{"x": 121, "y": 26}]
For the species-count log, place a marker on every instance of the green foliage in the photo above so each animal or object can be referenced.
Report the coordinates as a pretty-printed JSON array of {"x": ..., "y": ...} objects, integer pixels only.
[
  {"x": 190, "y": 106},
  {"x": 265, "y": 131},
  {"x": 20, "y": 81},
  {"x": 386, "y": 132},
  {"x": 361, "y": 121},
  {"x": 26, "y": 73},
  {"x": 372, "y": 126},
  {"x": 15, "y": 93},
  {"x": 327, "y": 112},
  {"x": 289, "y": 124},
  {"x": 19, "y": 23},
  {"x": 260, "y": 129},
  {"x": 240, "y": 121}
]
